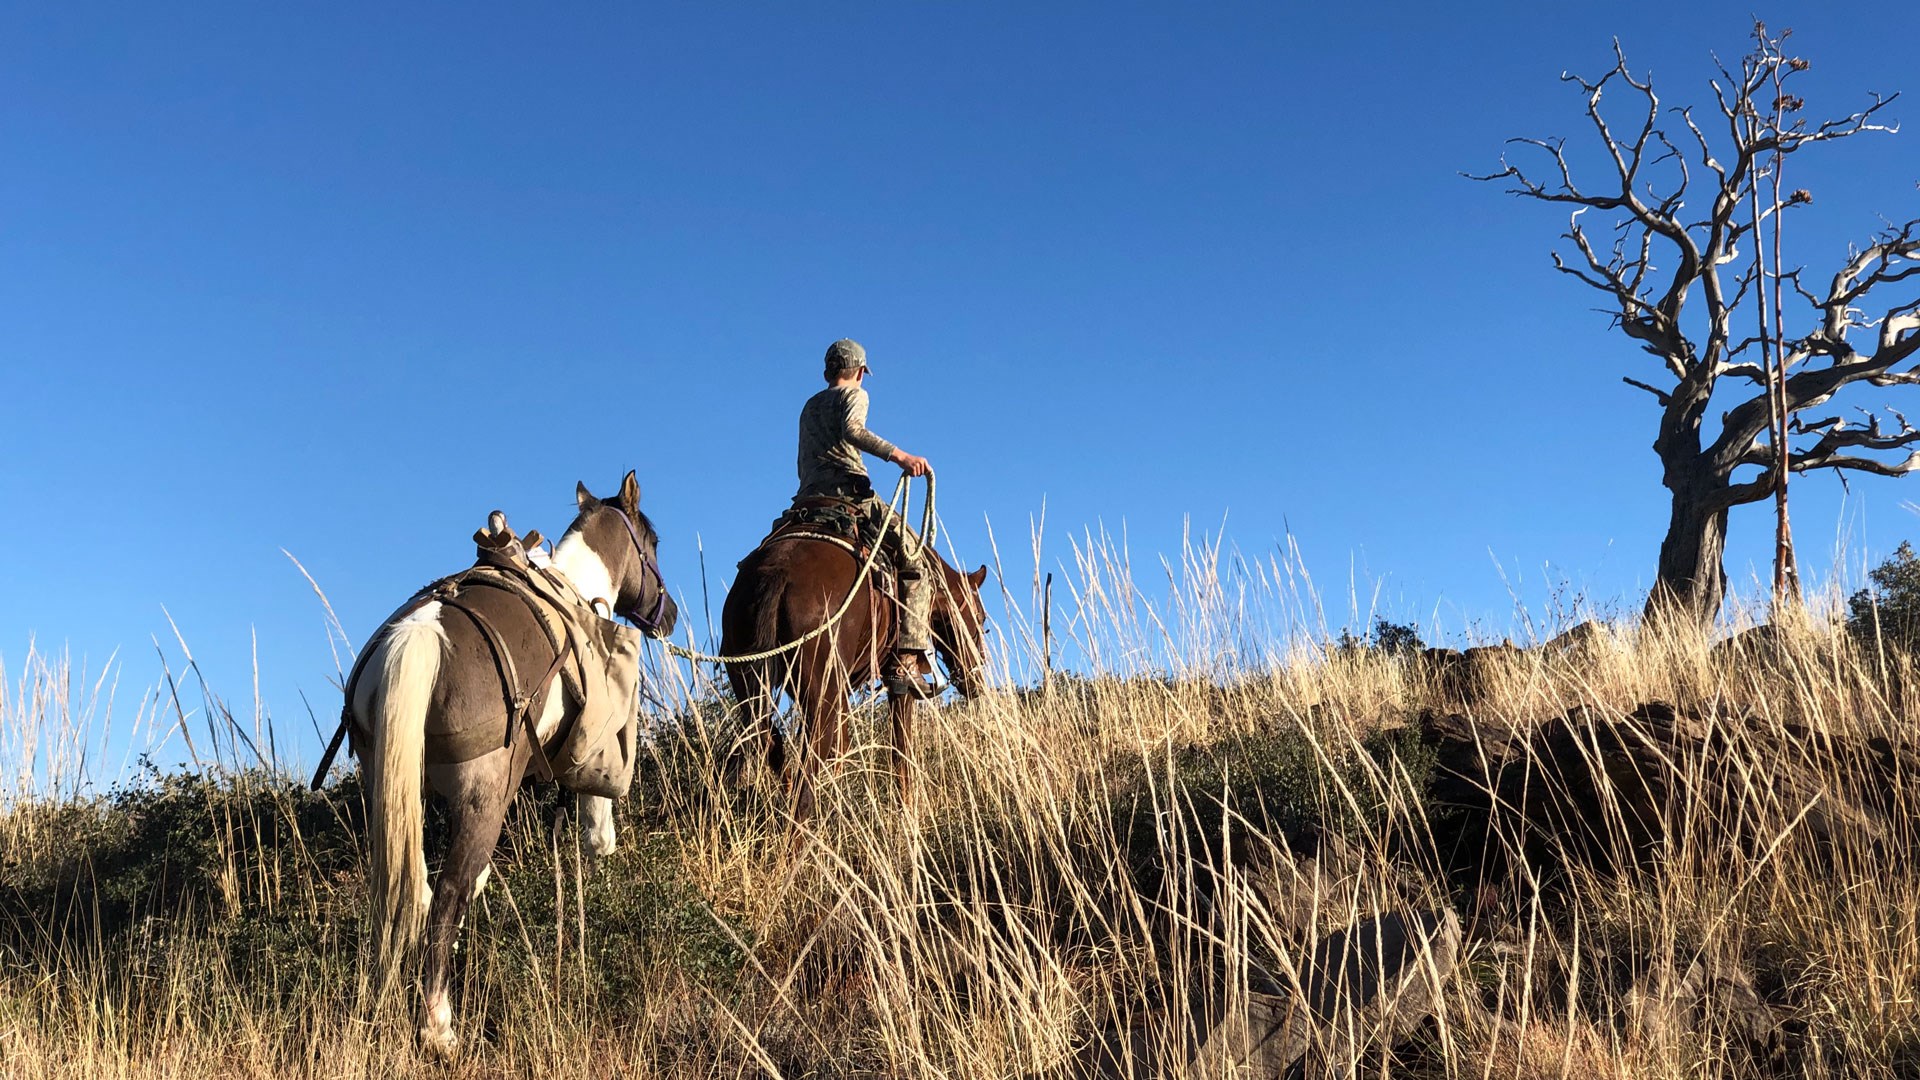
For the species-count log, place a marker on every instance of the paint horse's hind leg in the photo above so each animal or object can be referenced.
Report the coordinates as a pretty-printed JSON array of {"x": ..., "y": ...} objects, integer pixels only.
[{"x": 477, "y": 794}]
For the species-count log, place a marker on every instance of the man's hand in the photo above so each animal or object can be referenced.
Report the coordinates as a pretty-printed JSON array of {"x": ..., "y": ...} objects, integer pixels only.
[{"x": 912, "y": 464}]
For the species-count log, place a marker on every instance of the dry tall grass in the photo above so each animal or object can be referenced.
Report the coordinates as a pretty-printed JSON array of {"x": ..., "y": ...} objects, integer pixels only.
[{"x": 1089, "y": 867}]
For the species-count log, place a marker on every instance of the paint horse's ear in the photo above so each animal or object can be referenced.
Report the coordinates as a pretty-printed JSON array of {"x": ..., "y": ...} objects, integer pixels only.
[
  {"x": 582, "y": 497},
  {"x": 978, "y": 577},
  {"x": 630, "y": 493}
]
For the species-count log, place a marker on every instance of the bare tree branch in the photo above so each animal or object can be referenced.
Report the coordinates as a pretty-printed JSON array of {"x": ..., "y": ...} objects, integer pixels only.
[
  {"x": 1659, "y": 395},
  {"x": 1869, "y": 465}
]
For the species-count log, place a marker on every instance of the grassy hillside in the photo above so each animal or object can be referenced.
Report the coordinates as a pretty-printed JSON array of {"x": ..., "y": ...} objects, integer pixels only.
[{"x": 1106, "y": 861}]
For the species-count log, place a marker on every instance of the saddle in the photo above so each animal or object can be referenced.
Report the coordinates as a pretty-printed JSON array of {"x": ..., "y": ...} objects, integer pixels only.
[{"x": 841, "y": 522}]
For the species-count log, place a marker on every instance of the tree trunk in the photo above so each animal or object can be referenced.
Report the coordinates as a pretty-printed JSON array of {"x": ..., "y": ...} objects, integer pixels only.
[{"x": 1691, "y": 581}]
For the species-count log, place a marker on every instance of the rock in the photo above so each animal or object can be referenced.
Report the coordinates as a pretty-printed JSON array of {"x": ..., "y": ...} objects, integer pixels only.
[
  {"x": 1467, "y": 677},
  {"x": 1611, "y": 792},
  {"x": 1777, "y": 649},
  {"x": 1715, "y": 998},
  {"x": 1293, "y": 888},
  {"x": 1722, "y": 996},
  {"x": 1365, "y": 987},
  {"x": 1373, "y": 983},
  {"x": 1269, "y": 1035},
  {"x": 1763, "y": 644},
  {"x": 1582, "y": 640}
]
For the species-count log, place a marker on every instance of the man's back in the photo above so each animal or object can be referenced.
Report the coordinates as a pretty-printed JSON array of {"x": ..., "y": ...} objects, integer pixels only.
[{"x": 833, "y": 432}]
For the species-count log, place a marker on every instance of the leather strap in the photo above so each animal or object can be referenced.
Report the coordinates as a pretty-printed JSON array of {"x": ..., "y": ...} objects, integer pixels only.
[{"x": 521, "y": 709}]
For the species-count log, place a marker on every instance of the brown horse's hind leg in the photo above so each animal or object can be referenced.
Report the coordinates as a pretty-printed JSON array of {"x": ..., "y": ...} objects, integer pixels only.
[
  {"x": 774, "y": 739},
  {"x": 477, "y": 794},
  {"x": 900, "y": 711},
  {"x": 753, "y": 691},
  {"x": 824, "y": 705}
]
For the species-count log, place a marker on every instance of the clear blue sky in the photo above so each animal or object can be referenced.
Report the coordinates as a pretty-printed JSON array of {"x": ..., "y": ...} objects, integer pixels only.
[{"x": 339, "y": 279}]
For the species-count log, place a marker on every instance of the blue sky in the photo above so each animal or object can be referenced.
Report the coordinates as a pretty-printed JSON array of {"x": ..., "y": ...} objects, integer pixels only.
[{"x": 339, "y": 279}]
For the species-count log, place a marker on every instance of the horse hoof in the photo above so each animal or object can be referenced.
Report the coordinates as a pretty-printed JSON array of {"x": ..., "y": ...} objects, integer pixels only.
[
  {"x": 436, "y": 1033},
  {"x": 439, "y": 1045}
]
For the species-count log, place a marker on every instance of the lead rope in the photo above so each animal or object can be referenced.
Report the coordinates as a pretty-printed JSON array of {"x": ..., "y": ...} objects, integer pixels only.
[{"x": 898, "y": 507}]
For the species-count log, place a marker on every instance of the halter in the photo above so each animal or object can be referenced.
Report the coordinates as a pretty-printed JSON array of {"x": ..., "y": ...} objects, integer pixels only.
[{"x": 647, "y": 623}]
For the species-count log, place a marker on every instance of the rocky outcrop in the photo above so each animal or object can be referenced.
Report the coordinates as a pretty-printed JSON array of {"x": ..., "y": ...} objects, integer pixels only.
[
  {"x": 1612, "y": 792},
  {"x": 1465, "y": 677},
  {"x": 1582, "y": 639}
]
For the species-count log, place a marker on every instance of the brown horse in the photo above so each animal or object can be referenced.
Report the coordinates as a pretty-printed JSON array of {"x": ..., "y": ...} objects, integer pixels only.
[{"x": 790, "y": 586}]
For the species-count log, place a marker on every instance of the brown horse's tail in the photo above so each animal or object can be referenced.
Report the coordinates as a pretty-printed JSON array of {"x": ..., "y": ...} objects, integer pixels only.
[
  {"x": 397, "y": 871},
  {"x": 750, "y": 623},
  {"x": 763, "y": 597}
]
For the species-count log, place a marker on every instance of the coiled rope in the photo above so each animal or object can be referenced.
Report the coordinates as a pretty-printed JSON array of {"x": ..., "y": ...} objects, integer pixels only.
[{"x": 898, "y": 506}]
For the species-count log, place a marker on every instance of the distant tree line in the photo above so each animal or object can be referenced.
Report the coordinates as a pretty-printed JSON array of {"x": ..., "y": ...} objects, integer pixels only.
[
  {"x": 1883, "y": 615},
  {"x": 1387, "y": 636}
]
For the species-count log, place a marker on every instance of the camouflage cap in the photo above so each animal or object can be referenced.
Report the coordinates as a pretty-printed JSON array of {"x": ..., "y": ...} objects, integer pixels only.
[{"x": 846, "y": 355}]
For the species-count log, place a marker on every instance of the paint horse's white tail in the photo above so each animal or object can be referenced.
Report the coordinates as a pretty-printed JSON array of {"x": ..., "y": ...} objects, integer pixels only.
[{"x": 397, "y": 884}]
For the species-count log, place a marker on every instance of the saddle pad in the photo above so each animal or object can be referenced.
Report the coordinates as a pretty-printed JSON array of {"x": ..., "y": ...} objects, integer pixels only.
[{"x": 602, "y": 685}]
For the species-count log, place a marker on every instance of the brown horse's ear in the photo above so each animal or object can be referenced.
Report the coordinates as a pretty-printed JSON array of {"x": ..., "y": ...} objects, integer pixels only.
[
  {"x": 630, "y": 492},
  {"x": 978, "y": 577},
  {"x": 582, "y": 497}
]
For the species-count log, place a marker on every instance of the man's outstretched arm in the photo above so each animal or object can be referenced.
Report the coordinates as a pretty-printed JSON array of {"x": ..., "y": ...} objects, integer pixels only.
[{"x": 856, "y": 433}]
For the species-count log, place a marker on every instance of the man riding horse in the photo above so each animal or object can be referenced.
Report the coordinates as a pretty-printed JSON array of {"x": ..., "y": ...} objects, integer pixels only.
[
  {"x": 833, "y": 432},
  {"x": 806, "y": 620}
]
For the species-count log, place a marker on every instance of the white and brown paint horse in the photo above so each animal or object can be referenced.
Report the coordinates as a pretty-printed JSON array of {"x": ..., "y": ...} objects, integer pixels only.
[{"x": 434, "y": 672}]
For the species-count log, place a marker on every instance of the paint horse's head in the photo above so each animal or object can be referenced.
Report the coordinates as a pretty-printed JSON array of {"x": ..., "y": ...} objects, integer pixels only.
[
  {"x": 958, "y": 621},
  {"x": 609, "y": 555}
]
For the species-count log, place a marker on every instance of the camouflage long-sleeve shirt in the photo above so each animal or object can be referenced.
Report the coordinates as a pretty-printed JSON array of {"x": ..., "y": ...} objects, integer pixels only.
[{"x": 833, "y": 432}]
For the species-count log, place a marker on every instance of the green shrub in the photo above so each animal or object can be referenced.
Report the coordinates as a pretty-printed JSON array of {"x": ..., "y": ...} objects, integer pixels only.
[
  {"x": 1887, "y": 613},
  {"x": 1388, "y": 637},
  {"x": 643, "y": 918}
]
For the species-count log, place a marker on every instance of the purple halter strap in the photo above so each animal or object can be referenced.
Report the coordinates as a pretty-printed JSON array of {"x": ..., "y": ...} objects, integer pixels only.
[{"x": 648, "y": 623}]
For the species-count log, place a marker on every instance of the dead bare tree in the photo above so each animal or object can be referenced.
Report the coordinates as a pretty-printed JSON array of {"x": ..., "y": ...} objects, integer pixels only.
[{"x": 1688, "y": 200}]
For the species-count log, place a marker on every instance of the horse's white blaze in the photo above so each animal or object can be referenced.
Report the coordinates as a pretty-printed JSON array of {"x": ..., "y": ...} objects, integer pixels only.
[
  {"x": 579, "y": 563},
  {"x": 596, "y": 820}
]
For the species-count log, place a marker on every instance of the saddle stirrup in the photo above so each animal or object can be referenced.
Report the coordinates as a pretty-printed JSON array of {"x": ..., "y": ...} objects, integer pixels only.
[{"x": 906, "y": 680}]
